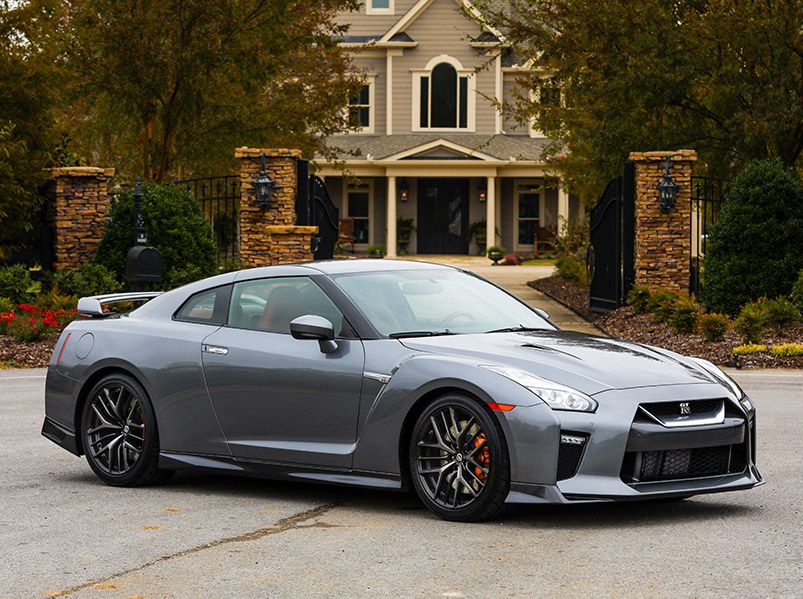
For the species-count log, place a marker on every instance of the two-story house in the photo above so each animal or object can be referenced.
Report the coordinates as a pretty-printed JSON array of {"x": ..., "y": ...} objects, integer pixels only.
[{"x": 431, "y": 141}]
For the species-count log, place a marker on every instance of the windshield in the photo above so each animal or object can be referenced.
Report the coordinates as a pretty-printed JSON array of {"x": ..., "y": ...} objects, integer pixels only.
[{"x": 438, "y": 301}]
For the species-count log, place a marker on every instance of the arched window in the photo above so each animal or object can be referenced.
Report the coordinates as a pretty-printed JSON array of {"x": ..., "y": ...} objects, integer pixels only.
[{"x": 444, "y": 98}]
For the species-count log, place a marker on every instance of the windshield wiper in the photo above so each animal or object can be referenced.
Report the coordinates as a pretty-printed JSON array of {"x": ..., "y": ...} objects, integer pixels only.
[
  {"x": 403, "y": 334},
  {"x": 515, "y": 329}
]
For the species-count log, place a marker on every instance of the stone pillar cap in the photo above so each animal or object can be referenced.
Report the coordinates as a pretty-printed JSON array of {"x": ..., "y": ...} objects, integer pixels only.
[
  {"x": 660, "y": 156},
  {"x": 82, "y": 171},
  {"x": 245, "y": 152}
]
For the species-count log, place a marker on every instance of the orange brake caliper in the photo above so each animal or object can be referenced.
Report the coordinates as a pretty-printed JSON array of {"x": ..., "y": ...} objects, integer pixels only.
[{"x": 483, "y": 457}]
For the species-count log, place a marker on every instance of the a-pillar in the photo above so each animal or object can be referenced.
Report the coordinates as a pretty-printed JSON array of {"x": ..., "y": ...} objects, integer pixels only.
[
  {"x": 391, "y": 211},
  {"x": 663, "y": 239},
  {"x": 490, "y": 211}
]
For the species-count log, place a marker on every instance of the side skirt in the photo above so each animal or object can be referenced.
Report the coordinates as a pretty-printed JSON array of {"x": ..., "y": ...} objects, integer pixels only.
[{"x": 273, "y": 470}]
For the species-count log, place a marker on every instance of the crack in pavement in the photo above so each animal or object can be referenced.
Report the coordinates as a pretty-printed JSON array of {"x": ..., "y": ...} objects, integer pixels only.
[{"x": 283, "y": 525}]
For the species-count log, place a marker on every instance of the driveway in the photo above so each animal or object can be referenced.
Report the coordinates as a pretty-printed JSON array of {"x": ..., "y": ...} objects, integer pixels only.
[{"x": 65, "y": 534}]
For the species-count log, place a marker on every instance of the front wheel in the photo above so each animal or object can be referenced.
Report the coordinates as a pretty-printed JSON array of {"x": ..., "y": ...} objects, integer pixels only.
[
  {"x": 119, "y": 435},
  {"x": 459, "y": 460}
]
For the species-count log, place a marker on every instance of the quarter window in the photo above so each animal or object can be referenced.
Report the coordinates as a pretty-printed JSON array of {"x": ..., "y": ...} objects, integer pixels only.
[
  {"x": 270, "y": 304},
  {"x": 206, "y": 307}
]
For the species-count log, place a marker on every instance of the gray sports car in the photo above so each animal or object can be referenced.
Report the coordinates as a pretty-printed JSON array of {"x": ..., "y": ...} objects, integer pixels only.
[{"x": 390, "y": 374}]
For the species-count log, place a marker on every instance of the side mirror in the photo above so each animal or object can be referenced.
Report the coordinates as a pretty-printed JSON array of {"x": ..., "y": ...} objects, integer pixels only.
[
  {"x": 541, "y": 313},
  {"x": 317, "y": 328}
]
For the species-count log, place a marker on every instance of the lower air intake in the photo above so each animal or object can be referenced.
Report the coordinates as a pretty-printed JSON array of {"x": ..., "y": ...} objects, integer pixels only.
[{"x": 571, "y": 450}]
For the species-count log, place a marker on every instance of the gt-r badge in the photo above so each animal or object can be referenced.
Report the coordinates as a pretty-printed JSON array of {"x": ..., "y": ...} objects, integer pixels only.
[{"x": 685, "y": 408}]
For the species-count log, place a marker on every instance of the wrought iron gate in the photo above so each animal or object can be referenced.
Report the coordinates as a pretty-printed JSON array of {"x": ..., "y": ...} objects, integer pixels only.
[
  {"x": 315, "y": 207},
  {"x": 219, "y": 198},
  {"x": 610, "y": 259},
  {"x": 706, "y": 201}
]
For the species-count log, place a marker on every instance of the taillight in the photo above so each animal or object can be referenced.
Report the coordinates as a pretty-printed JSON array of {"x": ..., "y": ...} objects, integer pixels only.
[{"x": 63, "y": 345}]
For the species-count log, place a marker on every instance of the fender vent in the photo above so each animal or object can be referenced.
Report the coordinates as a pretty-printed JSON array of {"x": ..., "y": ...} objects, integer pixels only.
[{"x": 572, "y": 446}]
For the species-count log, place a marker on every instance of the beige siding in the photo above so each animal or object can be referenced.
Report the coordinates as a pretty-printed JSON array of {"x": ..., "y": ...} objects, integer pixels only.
[
  {"x": 334, "y": 185},
  {"x": 364, "y": 24},
  {"x": 377, "y": 68},
  {"x": 509, "y": 124}
]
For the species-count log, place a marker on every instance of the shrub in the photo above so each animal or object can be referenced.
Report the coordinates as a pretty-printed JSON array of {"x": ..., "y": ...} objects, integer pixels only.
[
  {"x": 6, "y": 305},
  {"x": 29, "y": 323},
  {"x": 683, "y": 315},
  {"x": 751, "y": 321},
  {"x": 787, "y": 349},
  {"x": 16, "y": 284},
  {"x": 55, "y": 300},
  {"x": 176, "y": 227},
  {"x": 571, "y": 269},
  {"x": 573, "y": 238},
  {"x": 183, "y": 276},
  {"x": 754, "y": 248},
  {"x": 639, "y": 298},
  {"x": 748, "y": 348},
  {"x": 797, "y": 291},
  {"x": 88, "y": 279},
  {"x": 780, "y": 312},
  {"x": 662, "y": 304},
  {"x": 713, "y": 326}
]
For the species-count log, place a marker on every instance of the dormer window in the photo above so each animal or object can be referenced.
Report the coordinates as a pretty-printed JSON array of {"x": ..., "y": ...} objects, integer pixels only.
[
  {"x": 379, "y": 7},
  {"x": 444, "y": 96}
]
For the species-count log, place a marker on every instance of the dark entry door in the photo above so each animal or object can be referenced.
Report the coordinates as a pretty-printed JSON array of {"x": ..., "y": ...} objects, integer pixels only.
[{"x": 442, "y": 216}]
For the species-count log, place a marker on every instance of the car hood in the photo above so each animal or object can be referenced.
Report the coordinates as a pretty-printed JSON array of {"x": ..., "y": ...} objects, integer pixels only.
[{"x": 584, "y": 362}]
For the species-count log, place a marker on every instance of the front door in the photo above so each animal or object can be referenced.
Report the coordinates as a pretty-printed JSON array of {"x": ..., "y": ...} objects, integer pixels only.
[
  {"x": 281, "y": 399},
  {"x": 442, "y": 216}
]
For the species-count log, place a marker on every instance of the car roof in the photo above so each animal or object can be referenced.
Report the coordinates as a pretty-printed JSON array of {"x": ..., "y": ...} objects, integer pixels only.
[{"x": 336, "y": 267}]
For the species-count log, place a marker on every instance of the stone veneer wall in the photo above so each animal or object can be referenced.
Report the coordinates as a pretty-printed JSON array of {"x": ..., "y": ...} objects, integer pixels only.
[
  {"x": 81, "y": 208},
  {"x": 663, "y": 241},
  {"x": 271, "y": 236}
]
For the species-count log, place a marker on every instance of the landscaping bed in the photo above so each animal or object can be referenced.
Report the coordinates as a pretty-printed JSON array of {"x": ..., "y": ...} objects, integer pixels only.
[
  {"x": 25, "y": 354},
  {"x": 623, "y": 323}
]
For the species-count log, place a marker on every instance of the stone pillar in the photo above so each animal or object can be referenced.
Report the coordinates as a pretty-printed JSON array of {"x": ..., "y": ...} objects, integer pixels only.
[
  {"x": 81, "y": 208},
  {"x": 663, "y": 241},
  {"x": 490, "y": 212},
  {"x": 270, "y": 236},
  {"x": 392, "y": 211}
]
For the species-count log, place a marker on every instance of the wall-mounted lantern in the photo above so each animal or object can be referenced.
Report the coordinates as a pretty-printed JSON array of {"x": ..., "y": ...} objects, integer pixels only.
[
  {"x": 404, "y": 190},
  {"x": 482, "y": 190},
  {"x": 667, "y": 189},
  {"x": 264, "y": 186}
]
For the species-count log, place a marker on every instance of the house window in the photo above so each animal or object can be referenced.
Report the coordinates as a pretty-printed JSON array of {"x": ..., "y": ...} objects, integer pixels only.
[
  {"x": 547, "y": 94},
  {"x": 358, "y": 208},
  {"x": 361, "y": 109},
  {"x": 444, "y": 98},
  {"x": 528, "y": 211},
  {"x": 379, "y": 7}
]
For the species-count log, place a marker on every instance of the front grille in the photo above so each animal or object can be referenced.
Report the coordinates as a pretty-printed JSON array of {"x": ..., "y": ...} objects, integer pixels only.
[
  {"x": 677, "y": 464},
  {"x": 672, "y": 408},
  {"x": 571, "y": 450}
]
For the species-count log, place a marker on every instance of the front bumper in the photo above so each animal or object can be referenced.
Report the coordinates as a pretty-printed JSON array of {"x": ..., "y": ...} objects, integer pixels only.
[{"x": 609, "y": 465}]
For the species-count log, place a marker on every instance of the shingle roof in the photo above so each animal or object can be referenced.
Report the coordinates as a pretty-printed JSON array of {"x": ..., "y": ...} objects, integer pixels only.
[{"x": 502, "y": 147}]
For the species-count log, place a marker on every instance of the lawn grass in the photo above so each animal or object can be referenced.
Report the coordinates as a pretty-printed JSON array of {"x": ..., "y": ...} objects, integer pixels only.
[{"x": 539, "y": 262}]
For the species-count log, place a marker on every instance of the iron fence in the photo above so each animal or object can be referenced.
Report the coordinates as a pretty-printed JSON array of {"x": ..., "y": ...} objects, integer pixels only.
[
  {"x": 707, "y": 195},
  {"x": 219, "y": 198}
]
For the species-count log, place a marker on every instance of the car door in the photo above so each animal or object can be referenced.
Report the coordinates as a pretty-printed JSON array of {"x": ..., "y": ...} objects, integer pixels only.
[{"x": 282, "y": 399}]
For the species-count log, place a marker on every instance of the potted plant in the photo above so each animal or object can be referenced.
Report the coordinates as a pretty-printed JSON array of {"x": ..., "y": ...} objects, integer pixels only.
[
  {"x": 479, "y": 231},
  {"x": 404, "y": 231},
  {"x": 376, "y": 251},
  {"x": 496, "y": 253}
]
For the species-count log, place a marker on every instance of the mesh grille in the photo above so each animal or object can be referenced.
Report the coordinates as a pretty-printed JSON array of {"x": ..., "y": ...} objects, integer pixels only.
[
  {"x": 685, "y": 463},
  {"x": 569, "y": 456},
  {"x": 672, "y": 408}
]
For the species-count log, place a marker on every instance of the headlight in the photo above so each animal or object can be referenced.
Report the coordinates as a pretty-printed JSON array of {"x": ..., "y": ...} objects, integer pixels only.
[
  {"x": 721, "y": 376},
  {"x": 555, "y": 395}
]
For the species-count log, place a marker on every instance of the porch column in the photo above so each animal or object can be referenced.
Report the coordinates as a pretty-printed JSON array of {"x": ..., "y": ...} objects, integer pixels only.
[
  {"x": 490, "y": 211},
  {"x": 391, "y": 240},
  {"x": 563, "y": 205}
]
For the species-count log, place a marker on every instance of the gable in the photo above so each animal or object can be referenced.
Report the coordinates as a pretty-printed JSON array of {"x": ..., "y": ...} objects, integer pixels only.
[
  {"x": 444, "y": 13},
  {"x": 440, "y": 149}
]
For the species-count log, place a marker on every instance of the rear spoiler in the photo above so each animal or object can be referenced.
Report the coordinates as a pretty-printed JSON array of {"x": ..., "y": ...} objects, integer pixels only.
[{"x": 93, "y": 306}]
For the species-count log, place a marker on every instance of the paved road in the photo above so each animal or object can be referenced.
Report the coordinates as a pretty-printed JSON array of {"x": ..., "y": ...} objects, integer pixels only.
[{"x": 64, "y": 534}]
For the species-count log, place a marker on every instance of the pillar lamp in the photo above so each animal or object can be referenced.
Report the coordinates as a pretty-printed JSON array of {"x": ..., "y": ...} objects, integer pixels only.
[
  {"x": 667, "y": 189},
  {"x": 264, "y": 186},
  {"x": 404, "y": 190},
  {"x": 482, "y": 190}
]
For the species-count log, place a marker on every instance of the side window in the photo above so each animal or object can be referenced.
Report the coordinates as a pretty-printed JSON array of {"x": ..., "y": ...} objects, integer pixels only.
[
  {"x": 206, "y": 307},
  {"x": 270, "y": 305}
]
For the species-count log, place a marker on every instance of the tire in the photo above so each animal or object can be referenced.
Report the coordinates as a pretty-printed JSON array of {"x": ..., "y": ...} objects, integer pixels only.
[
  {"x": 119, "y": 433},
  {"x": 458, "y": 460}
]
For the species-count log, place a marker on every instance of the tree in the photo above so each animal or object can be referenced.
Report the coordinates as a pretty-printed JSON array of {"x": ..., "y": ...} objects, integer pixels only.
[
  {"x": 755, "y": 247},
  {"x": 724, "y": 77},
  {"x": 25, "y": 125},
  {"x": 165, "y": 87}
]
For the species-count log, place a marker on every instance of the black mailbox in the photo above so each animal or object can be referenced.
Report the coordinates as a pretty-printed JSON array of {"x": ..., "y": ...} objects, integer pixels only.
[{"x": 143, "y": 265}]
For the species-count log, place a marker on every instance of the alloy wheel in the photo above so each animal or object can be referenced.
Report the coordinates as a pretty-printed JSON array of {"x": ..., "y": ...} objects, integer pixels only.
[
  {"x": 116, "y": 429},
  {"x": 453, "y": 460}
]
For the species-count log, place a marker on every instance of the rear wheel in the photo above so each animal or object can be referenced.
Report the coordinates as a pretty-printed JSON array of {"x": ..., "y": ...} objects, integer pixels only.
[
  {"x": 459, "y": 460},
  {"x": 119, "y": 434}
]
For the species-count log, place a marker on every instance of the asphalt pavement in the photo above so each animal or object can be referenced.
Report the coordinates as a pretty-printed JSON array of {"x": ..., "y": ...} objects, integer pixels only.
[{"x": 63, "y": 533}]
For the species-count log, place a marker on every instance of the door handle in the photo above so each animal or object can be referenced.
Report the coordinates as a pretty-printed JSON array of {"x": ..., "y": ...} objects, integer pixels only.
[{"x": 216, "y": 349}]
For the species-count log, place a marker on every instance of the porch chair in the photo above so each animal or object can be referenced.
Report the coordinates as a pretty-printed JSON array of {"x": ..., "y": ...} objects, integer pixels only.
[
  {"x": 345, "y": 235},
  {"x": 544, "y": 241}
]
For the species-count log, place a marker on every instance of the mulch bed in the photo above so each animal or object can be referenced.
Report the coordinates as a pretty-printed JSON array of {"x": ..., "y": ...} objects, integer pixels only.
[
  {"x": 641, "y": 328},
  {"x": 25, "y": 354}
]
